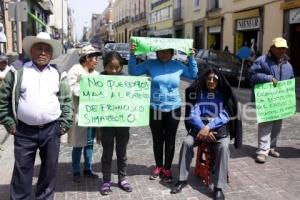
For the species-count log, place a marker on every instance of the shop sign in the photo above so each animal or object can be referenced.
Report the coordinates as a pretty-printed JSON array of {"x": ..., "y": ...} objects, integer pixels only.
[
  {"x": 214, "y": 29},
  {"x": 161, "y": 32},
  {"x": 248, "y": 24},
  {"x": 295, "y": 16}
]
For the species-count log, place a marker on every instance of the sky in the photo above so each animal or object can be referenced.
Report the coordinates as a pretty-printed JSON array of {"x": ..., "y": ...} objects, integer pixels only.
[{"x": 83, "y": 10}]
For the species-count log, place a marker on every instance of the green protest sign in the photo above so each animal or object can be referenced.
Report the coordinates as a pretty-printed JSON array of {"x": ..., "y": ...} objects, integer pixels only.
[
  {"x": 149, "y": 44},
  {"x": 273, "y": 103},
  {"x": 109, "y": 101}
]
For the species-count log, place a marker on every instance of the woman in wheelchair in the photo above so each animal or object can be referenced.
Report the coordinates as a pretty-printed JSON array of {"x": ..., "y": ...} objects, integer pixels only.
[{"x": 212, "y": 118}]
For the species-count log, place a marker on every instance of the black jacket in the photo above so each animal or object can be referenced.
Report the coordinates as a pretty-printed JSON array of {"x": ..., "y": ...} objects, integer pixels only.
[{"x": 230, "y": 102}]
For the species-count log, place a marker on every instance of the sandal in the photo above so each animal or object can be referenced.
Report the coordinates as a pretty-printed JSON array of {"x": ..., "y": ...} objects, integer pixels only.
[
  {"x": 105, "y": 189},
  {"x": 124, "y": 185}
]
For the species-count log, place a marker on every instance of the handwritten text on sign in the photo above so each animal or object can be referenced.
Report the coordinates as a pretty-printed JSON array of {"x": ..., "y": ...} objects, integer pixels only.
[
  {"x": 149, "y": 44},
  {"x": 114, "y": 101},
  {"x": 273, "y": 103}
]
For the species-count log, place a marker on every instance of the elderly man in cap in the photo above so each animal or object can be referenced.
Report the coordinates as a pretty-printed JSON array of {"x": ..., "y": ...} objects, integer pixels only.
[
  {"x": 4, "y": 67},
  {"x": 272, "y": 67},
  {"x": 36, "y": 107}
]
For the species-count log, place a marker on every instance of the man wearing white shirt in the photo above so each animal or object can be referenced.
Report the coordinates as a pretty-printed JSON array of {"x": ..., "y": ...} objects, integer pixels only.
[{"x": 36, "y": 107}]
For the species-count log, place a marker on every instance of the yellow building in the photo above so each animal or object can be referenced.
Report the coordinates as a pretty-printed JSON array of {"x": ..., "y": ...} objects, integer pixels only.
[
  {"x": 121, "y": 20},
  {"x": 188, "y": 17},
  {"x": 161, "y": 18}
]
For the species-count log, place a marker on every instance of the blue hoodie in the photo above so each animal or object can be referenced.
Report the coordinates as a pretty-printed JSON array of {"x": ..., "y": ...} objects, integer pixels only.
[{"x": 165, "y": 95}]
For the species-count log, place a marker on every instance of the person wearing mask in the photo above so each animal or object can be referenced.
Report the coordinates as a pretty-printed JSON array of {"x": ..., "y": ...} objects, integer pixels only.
[
  {"x": 272, "y": 67},
  {"x": 165, "y": 110},
  {"x": 82, "y": 138}
]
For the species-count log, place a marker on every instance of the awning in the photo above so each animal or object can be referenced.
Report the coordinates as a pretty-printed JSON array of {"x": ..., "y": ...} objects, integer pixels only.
[{"x": 38, "y": 20}]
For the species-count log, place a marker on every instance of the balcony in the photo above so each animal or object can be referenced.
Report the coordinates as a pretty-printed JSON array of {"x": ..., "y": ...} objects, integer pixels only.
[
  {"x": 154, "y": 5},
  {"x": 177, "y": 14},
  {"x": 138, "y": 17},
  {"x": 47, "y": 6}
]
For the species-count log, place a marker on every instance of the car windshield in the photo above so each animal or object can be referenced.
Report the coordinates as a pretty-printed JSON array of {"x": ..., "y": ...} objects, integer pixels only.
[
  {"x": 122, "y": 47},
  {"x": 223, "y": 57}
]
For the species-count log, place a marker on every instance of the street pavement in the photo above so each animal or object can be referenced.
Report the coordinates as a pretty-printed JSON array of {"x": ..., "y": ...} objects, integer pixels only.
[{"x": 277, "y": 179}]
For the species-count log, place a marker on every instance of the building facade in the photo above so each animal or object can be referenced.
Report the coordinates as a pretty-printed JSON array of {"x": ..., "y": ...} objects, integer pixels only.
[
  {"x": 291, "y": 31},
  {"x": 161, "y": 18}
]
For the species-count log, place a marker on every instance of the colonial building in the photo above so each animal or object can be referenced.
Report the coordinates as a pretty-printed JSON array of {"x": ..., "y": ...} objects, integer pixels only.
[
  {"x": 106, "y": 24},
  {"x": 291, "y": 31},
  {"x": 161, "y": 18}
]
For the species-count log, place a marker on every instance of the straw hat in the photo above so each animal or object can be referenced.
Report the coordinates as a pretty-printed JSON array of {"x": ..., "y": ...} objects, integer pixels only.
[{"x": 42, "y": 37}]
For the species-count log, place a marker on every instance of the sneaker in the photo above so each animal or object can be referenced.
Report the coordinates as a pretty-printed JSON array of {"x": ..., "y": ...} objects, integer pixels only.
[
  {"x": 260, "y": 158},
  {"x": 274, "y": 153},
  {"x": 90, "y": 174},
  {"x": 155, "y": 173},
  {"x": 167, "y": 175},
  {"x": 105, "y": 188},
  {"x": 76, "y": 177}
]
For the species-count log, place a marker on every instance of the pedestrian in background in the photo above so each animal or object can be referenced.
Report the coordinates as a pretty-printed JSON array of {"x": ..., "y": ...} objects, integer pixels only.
[
  {"x": 36, "y": 107},
  {"x": 4, "y": 67},
  {"x": 272, "y": 67},
  {"x": 165, "y": 110},
  {"x": 82, "y": 137},
  {"x": 113, "y": 65},
  {"x": 211, "y": 118}
]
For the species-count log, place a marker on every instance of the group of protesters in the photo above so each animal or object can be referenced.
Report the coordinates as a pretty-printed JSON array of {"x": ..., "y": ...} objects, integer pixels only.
[{"x": 39, "y": 103}]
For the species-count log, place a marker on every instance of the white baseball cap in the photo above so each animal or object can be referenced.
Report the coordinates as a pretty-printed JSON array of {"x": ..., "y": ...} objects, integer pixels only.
[
  {"x": 280, "y": 42},
  {"x": 87, "y": 50}
]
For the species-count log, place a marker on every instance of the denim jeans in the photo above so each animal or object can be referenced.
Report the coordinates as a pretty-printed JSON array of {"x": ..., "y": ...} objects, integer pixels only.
[{"x": 87, "y": 153}]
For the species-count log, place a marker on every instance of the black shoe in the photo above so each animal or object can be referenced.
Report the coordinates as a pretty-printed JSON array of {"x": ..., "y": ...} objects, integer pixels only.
[
  {"x": 178, "y": 187},
  {"x": 76, "y": 177},
  {"x": 90, "y": 174},
  {"x": 218, "y": 194}
]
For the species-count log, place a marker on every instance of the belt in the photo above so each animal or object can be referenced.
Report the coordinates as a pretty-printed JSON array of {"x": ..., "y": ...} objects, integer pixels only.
[{"x": 42, "y": 126}]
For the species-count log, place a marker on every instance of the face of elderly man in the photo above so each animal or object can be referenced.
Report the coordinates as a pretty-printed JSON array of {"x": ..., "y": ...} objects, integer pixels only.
[{"x": 41, "y": 54}]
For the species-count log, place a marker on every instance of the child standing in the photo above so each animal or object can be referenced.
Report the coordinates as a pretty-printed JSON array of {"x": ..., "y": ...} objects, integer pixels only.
[{"x": 113, "y": 65}]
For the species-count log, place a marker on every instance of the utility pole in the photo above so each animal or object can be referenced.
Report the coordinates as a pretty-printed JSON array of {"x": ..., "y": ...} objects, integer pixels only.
[
  {"x": 17, "y": 13},
  {"x": 62, "y": 25}
]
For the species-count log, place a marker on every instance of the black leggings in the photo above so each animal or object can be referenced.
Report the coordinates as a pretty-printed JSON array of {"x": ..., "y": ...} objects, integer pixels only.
[{"x": 164, "y": 127}]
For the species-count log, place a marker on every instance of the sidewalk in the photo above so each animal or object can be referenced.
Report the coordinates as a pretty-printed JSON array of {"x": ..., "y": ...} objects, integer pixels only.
[
  {"x": 277, "y": 179},
  {"x": 298, "y": 87}
]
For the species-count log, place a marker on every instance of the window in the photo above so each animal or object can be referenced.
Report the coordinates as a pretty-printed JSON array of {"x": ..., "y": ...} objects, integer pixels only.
[
  {"x": 215, "y": 4},
  {"x": 196, "y": 4}
]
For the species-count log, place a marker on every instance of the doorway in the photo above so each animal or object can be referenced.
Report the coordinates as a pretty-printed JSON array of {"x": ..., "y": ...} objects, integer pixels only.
[{"x": 295, "y": 48}]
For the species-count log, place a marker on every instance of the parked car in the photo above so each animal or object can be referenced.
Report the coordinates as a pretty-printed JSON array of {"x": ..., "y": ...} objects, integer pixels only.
[
  {"x": 228, "y": 63},
  {"x": 107, "y": 48},
  {"x": 180, "y": 56},
  {"x": 123, "y": 50},
  {"x": 81, "y": 44}
]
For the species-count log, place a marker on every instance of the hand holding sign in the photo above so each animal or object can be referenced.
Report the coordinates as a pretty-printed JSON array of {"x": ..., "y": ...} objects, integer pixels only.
[
  {"x": 273, "y": 103},
  {"x": 148, "y": 44}
]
